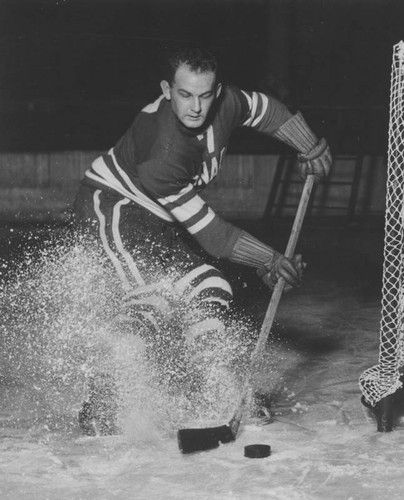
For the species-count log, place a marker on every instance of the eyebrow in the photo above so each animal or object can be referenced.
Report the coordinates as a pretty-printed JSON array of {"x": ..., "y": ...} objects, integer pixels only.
[{"x": 200, "y": 95}]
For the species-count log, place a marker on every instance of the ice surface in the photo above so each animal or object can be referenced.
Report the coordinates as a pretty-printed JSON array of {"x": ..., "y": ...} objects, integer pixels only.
[{"x": 324, "y": 443}]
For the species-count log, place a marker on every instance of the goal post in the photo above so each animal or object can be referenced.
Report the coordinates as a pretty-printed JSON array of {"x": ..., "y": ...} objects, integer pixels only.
[{"x": 381, "y": 381}]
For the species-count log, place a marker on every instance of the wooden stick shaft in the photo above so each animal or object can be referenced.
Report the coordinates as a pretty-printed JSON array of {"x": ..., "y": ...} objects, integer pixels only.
[
  {"x": 290, "y": 250},
  {"x": 274, "y": 302}
]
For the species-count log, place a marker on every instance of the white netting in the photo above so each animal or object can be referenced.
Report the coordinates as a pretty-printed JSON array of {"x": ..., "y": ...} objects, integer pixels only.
[{"x": 384, "y": 378}]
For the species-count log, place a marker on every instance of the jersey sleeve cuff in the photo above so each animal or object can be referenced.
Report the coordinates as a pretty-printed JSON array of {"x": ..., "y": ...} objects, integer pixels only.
[{"x": 251, "y": 252}]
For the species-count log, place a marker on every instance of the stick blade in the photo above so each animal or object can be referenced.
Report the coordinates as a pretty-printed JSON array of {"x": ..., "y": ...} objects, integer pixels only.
[{"x": 194, "y": 440}]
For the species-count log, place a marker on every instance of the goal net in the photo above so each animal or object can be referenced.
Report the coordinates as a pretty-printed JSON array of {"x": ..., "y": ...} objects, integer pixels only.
[{"x": 384, "y": 379}]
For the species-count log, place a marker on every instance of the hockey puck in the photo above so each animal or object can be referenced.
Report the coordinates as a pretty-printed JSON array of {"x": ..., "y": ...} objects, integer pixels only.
[{"x": 257, "y": 451}]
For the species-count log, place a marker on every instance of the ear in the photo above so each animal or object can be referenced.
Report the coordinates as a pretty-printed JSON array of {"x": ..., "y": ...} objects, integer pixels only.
[
  {"x": 165, "y": 87},
  {"x": 218, "y": 89}
]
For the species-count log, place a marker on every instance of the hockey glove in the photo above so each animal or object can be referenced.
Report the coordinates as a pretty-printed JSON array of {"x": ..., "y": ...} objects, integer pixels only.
[
  {"x": 291, "y": 270},
  {"x": 317, "y": 162},
  {"x": 269, "y": 263},
  {"x": 315, "y": 156}
]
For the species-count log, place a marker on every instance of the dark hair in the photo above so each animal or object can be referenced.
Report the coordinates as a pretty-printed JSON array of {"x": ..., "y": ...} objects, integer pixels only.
[{"x": 198, "y": 59}]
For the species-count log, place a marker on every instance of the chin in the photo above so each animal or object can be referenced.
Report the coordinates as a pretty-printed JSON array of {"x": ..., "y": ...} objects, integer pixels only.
[{"x": 194, "y": 123}]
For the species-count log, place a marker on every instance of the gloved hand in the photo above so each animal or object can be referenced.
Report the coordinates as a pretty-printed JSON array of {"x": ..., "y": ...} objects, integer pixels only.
[
  {"x": 316, "y": 162},
  {"x": 291, "y": 270}
]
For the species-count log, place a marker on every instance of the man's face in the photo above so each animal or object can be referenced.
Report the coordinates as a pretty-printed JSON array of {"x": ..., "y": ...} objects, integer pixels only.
[{"x": 191, "y": 95}]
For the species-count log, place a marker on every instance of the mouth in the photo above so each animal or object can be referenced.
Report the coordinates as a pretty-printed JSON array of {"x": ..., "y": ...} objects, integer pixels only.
[{"x": 193, "y": 121}]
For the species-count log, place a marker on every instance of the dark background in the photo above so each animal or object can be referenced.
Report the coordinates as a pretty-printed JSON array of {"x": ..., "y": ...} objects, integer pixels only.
[{"x": 73, "y": 73}]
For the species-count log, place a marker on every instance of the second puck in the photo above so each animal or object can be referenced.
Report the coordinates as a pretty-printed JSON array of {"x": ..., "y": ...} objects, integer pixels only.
[{"x": 257, "y": 451}]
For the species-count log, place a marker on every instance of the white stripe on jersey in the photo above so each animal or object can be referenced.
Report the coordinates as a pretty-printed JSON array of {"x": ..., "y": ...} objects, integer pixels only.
[
  {"x": 172, "y": 198},
  {"x": 135, "y": 190},
  {"x": 156, "y": 301},
  {"x": 203, "y": 222},
  {"x": 145, "y": 290},
  {"x": 256, "y": 100},
  {"x": 119, "y": 245},
  {"x": 210, "y": 139},
  {"x": 215, "y": 300},
  {"x": 212, "y": 282},
  {"x": 248, "y": 98},
  {"x": 205, "y": 173},
  {"x": 184, "y": 282},
  {"x": 99, "y": 167},
  {"x": 253, "y": 102},
  {"x": 206, "y": 325},
  {"x": 104, "y": 239},
  {"x": 100, "y": 173},
  {"x": 153, "y": 106},
  {"x": 189, "y": 209},
  {"x": 215, "y": 167},
  {"x": 264, "y": 107}
]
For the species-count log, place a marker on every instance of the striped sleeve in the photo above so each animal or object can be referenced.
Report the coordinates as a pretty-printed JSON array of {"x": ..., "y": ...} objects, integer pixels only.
[
  {"x": 215, "y": 235},
  {"x": 263, "y": 112},
  {"x": 189, "y": 209}
]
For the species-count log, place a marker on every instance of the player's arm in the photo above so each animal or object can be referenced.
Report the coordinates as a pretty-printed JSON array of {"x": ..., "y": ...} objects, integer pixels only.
[
  {"x": 314, "y": 154},
  {"x": 223, "y": 240},
  {"x": 267, "y": 115}
]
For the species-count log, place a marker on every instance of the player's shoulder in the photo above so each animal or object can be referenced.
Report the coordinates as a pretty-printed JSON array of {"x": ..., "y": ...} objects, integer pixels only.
[
  {"x": 231, "y": 94},
  {"x": 154, "y": 106},
  {"x": 232, "y": 104},
  {"x": 153, "y": 125},
  {"x": 156, "y": 118}
]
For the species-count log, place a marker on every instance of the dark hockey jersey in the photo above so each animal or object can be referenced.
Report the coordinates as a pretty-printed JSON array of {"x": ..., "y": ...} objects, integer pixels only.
[{"x": 162, "y": 165}]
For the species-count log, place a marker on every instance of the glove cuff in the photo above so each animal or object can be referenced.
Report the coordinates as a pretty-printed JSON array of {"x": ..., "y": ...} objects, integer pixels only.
[
  {"x": 296, "y": 133},
  {"x": 251, "y": 252},
  {"x": 315, "y": 153}
]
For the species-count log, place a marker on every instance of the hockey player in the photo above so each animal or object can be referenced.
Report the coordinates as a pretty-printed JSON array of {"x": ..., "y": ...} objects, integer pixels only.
[{"x": 142, "y": 200}]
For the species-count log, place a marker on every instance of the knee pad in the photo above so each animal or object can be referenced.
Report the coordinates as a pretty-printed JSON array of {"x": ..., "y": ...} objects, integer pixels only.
[
  {"x": 205, "y": 326},
  {"x": 204, "y": 284},
  {"x": 146, "y": 308}
]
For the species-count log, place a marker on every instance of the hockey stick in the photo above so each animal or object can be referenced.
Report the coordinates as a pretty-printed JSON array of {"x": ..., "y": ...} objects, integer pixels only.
[{"x": 193, "y": 440}]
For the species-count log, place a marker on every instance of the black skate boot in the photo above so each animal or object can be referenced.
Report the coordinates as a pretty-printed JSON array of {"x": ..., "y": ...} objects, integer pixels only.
[{"x": 97, "y": 416}]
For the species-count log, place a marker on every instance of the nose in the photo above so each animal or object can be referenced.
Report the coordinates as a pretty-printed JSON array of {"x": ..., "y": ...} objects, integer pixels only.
[{"x": 196, "y": 105}]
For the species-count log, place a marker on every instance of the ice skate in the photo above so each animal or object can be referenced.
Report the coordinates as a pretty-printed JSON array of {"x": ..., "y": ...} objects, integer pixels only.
[{"x": 97, "y": 416}]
